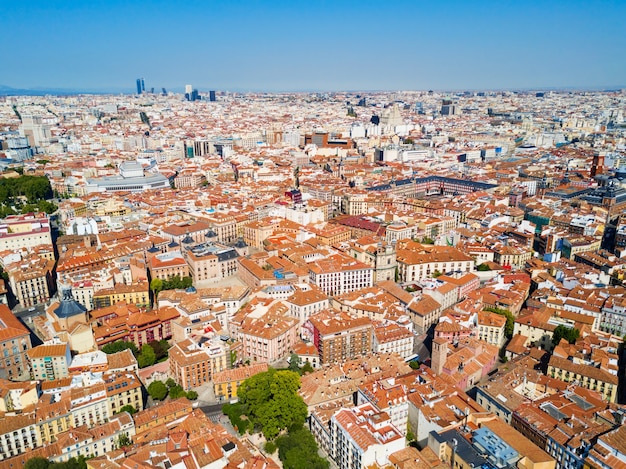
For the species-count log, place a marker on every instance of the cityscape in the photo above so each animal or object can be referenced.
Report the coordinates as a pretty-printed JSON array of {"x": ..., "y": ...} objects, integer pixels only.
[{"x": 292, "y": 246}]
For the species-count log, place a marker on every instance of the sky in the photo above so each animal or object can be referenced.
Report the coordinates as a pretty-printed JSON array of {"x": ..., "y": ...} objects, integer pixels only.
[{"x": 315, "y": 45}]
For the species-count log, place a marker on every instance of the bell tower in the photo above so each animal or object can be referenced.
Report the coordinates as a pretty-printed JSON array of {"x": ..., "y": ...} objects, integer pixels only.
[{"x": 439, "y": 355}]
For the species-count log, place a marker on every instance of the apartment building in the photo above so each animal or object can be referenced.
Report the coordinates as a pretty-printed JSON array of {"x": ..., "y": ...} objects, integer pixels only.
[
  {"x": 27, "y": 230},
  {"x": 209, "y": 262},
  {"x": 49, "y": 362},
  {"x": 137, "y": 294},
  {"x": 362, "y": 437},
  {"x": 338, "y": 274},
  {"x": 304, "y": 303},
  {"x": 339, "y": 337},
  {"x": 135, "y": 326},
  {"x": 122, "y": 389},
  {"x": 226, "y": 383},
  {"x": 491, "y": 328},
  {"x": 14, "y": 346},
  {"x": 194, "y": 364},
  {"x": 420, "y": 261},
  {"x": 31, "y": 280},
  {"x": 167, "y": 265},
  {"x": 265, "y": 330},
  {"x": 391, "y": 337},
  {"x": 587, "y": 376}
]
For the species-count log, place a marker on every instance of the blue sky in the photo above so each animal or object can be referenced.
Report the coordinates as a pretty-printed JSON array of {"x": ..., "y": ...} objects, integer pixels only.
[{"x": 313, "y": 45}]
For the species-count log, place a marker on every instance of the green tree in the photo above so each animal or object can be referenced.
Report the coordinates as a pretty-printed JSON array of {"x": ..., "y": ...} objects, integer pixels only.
[
  {"x": 37, "y": 463},
  {"x": 170, "y": 383},
  {"x": 272, "y": 401},
  {"x": 294, "y": 360},
  {"x": 146, "y": 357},
  {"x": 483, "y": 268},
  {"x": 563, "y": 332},
  {"x": 177, "y": 391},
  {"x": 427, "y": 240},
  {"x": 123, "y": 440},
  {"x": 192, "y": 395},
  {"x": 160, "y": 348},
  {"x": 128, "y": 408},
  {"x": 235, "y": 414},
  {"x": 120, "y": 345},
  {"x": 156, "y": 285},
  {"x": 298, "y": 450},
  {"x": 306, "y": 368},
  {"x": 414, "y": 364},
  {"x": 157, "y": 390}
]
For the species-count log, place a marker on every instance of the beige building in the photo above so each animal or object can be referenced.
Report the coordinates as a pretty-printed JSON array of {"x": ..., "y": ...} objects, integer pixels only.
[
  {"x": 31, "y": 280},
  {"x": 587, "y": 376},
  {"x": 25, "y": 231},
  {"x": 49, "y": 362},
  {"x": 193, "y": 364},
  {"x": 491, "y": 328},
  {"x": 420, "y": 261},
  {"x": 265, "y": 330},
  {"x": 123, "y": 389},
  {"x": 338, "y": 274}
]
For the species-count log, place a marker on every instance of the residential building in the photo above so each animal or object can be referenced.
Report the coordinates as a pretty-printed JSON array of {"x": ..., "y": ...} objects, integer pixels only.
[
  {"x": 362, "y": 437},
  {"x": 14, "y": 346},
  {"x": 194, "y": 364},
  {"x": 226, "y": 383},
  {"x": 339, "y": 337},
  {"x": 50, "y": 362},
  {"x": 338, "y": 274}
]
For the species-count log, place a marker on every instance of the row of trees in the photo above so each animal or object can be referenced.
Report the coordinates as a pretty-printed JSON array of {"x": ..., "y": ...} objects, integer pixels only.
[
  {"x": 159, "y": 390},
  {"x": 151, "y": 353},
  {"x": 43, "y": 463},
  {"x": 175, "y": 283}
]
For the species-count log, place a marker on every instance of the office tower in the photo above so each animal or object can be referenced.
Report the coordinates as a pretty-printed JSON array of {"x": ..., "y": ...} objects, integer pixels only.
[
  {"x": 211, "y": 96},
  {"x": 188, "y": 89},
  {"x": 164, "y": 91},
  {"x": 138, "y": 85},
  {"x": 194, "y": 95},
  {"x": 143, "y": 86},
  {"x": 448, "y": 108}
]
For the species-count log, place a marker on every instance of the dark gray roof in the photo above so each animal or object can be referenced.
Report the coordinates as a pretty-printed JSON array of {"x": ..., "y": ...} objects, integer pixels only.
[{"x": 69, "y": 306}]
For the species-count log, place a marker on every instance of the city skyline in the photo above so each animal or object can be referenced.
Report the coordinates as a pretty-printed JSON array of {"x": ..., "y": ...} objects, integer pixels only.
[{"x": 314, "y": 46}]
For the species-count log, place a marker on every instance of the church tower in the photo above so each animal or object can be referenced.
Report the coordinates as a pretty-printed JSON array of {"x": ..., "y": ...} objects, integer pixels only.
[{"x": 439, "y": 355}]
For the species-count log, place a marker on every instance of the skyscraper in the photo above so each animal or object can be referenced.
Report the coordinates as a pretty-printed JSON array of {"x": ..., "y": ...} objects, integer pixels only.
[
  {"x": 139, "y": 81},
  {"x": 211, "y": 95},
  {"x": 143, "y": 86}
]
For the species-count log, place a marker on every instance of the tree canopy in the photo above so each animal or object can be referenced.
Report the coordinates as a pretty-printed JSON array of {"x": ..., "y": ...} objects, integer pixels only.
[
  {"x": 563, "y": 332},
  {"x": 120, "y": 345},
  {"x": 272, "y": 402},
  {"x": 298, "y": 450},
  {"x": 146, "y": 357},
  {"x": 43, "y": 463},
  {"x": 157, "y": 390}
]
